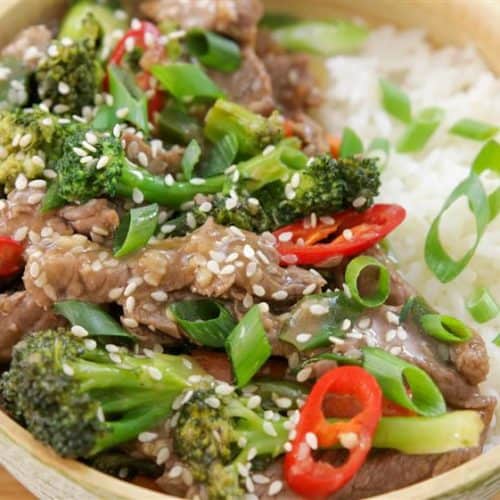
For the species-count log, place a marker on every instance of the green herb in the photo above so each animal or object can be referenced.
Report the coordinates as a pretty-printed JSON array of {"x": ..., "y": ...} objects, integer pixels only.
[
  {"x": 482, "y": 306},
  {"x": 354, "y": 269},
  {"x": 473, "y": 129},
  {"x": 205, "y": 321},
  {"x": 92, "y": 318},
  {"x": 248, "y": 347},
  {"x": 351, "y": 143},
  {"x": 213, "y": 50},
  {"x": 395, "y": 101},
  {"x": 420, "y": 130},
  {"x": 496, "y": 340},
  {"x": 135, "y": 230},
  {"x": 186, "y": 81},
  {"x": 445, "y": 328},
  {"x": 190, "y": 159}
]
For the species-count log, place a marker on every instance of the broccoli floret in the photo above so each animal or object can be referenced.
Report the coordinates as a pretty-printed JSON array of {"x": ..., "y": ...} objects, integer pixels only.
[
  {"x": 70, "y": 76},
  {"x": 361, "y": 178},
  {"x": 253, "y": 132},
  {"x": 14, "y": 83},
  {"x": 26, "y": 140},
  {"x": 82, "y": 400},
  {"x": 103, "y": 169},
  {"x": 228, "y": 436}
]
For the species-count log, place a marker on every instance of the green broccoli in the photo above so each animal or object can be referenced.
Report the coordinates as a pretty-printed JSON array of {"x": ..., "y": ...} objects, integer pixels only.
[
  {"x": 229, "y": 436},
  {"x": 81, "y": 399},
  {"x": 253, "y": 132},
  {"x": 70, "y": 76},
  {"x": 14, "y": 83},
  {"x": 93, "y": 165}
]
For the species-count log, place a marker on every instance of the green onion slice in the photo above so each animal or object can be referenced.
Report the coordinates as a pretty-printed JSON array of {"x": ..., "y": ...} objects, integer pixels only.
[
  {"x": 277, "y": 20},
  {"x": 52, "y": 200},
  {"x": 351, "y": 143},
  {"x": 248, "y": 347},
  {"x": 473, "y": 129},
  {"x": 221, "y": 156},
  {"x": 176, "y": 126},
  {"x": 420, "y": 130},
  {"x": 186, "y": 81},
  {"x": 127, "y": 95},
  {"x": 213, "y": 50},
  {"x": 444, "y": 267},
  {"x": 354, "y": 269},
  {"x": 105, "y": 119},
  {"x": 482, "y": 306},
  {"x": 190, "y": 159},
  {"x": 341, "y": 359},
  {"x": 445, "y": 328},
  {"x": 92, "y": 318},
  {"x": 323, "y": 38},
  {"x": 398, "y": 379},
  {"x": 135, "y": 229},
  {"x": 395, "y": 101},
  {"x": 205, "y": 321},
  {"x": 489, "y": 159},
  {"x": 496, "y": 340}
]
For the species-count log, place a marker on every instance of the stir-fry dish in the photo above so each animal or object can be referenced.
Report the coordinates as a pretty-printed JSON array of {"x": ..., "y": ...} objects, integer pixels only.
[{"x": 196, "y": 283}]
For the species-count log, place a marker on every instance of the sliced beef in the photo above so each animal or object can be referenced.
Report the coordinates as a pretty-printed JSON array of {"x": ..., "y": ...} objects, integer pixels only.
[
  {"x": 236, "y": 18},
  {"x": 250, "y": 85},
  {"x": 29, "y": 45},
  {"x": 294, "y": 86},
  {"x": 152, "y": 155},
  {"x": 19, "y": 315},
  {"x": 471, "y": 359},
  {"x": 312, "y": 134}
]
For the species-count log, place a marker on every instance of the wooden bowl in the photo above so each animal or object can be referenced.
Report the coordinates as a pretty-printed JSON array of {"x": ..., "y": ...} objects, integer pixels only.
[{"x": 477, "y": 21}]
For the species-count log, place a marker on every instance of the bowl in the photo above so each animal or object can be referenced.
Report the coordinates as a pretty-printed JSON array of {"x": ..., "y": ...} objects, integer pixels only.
[{"x": 48, "y": 476}]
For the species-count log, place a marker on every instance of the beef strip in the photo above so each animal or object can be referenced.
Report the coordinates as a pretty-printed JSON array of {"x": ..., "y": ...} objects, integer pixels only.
[
  {"x": 152, "y": 155},
  {"x": 250, "y": 85},
  {"x": 294, "y": 86},
  {"x": 236, "y": 18},
  {"x": 312, "y": 134},
  {"x": 213, "y": 261},
  {"x": 19, "y": 315},
  {"x": 29, "y": 45}
]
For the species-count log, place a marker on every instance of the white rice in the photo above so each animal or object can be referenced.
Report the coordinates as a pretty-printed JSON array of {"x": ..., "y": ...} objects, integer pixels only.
[{"x": 457, "y": 80}]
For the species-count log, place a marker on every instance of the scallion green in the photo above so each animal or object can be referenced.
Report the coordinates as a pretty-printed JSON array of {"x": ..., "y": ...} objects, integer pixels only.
[
  {"x": 489, "y": 159},
  {"x": 205, "y": 321},
  {"x": 213, "y": 50},
  {"x": 52, "y": 200},
  {"x": 186, "y": 81},
  {"x": 190, "y": 159},
  {"x": 221, "y": 156},
  {"x": 91, "y": 318},
  {"x": 352, "y": 273},
  {"x": 404, "y": 383},
  {"x": 248, "y": 347},
  {"x": 496, "y": 340},
  {"x": 445, "y": 328},
  {"x": 420, "y": 130},
  {"x": 351, "y": 143},
  {"x": 395, "y": 101},
  {"x": 473, "y": 129},
  {"x": 323, "y": 38},
  {"x": 135, "y": 229},
  {"x": 482, "y": 306}
]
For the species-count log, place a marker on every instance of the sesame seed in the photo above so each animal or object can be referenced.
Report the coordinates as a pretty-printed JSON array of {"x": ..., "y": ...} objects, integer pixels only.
[
  {"x": 206, "y": 206},
  {"x": 248, "y": 301},
  {"x": 401, "y": 332},
  {"x": 280, "y": 295},
  {"x": 154, "y": 373},
  {"x": 396, "y": 350},
  {"x": 354, "y": 335},
  {"x": 346, "y": 324},
  {"x": 229, "y": 269},
  {"x": 231, "y": 257},
  {"x": 275, "y": 487},
  {"x": 143, "y": 159},
  {"x": 90, "y": 344},
  {"x": 159, "y": 296},
  {"x": 390, "y": 335},
  {"x": 290, "y": 192},
  {"x": 312, "y": 440},
  {"x": 283, "y": 403},
  {"x": 112, "y": 348},
  {"x": 336, "y": 340},
  {"x": 21, "y": 182},
  {"x": 79, "y": 331},
  {"x": 49, "y": 173},
  {"x": 269, "y": 429},
  {"x": 213, "y": 266},
  {"x": 364, "y": 323},
  {"x": 103, "y": 161},
  {"x": 236, "y": 231},
  {"x": 68, "y": 370},
  {"x": 21, "y": 233},
  {"x": 167, "y": 228},
  {"x": 223, "y": 389},
  {"x": 302, "y": 338},
  {"x": 254, "y": 401},
  {"x": 359, "y": 202},
  {"x": 130, "y": 304},
  {"x": 38, "y": 184},
  {"x": 122, "y": 113},
  {"x": 169, "y": 180},
  {"x": 137, "y": 195},
  {"x": 304, "y": 374},
  {"x": 349, "y": 440},
  {"x": 287, "y": 446},
  {"x": 248, "y": 252},
  {"x": 262, "y": 256},
  {"x": 264, "y": 307},
  {"x": 289, "y": 259},
  {"x": 191, "y": 220},
  {"x": 318, "y": 309},
  {"x": 260, "y": 479},
  {"x": 242, "y": 469},
  {"x": 25, "y": 140},
  {"x": 213, "y": 402},
  {"x": 309, "y": 289},
  {"x": 347, "y": 234},
  {"x": 326, "y": 219},
  {"x": 268, "y": 150},
  {"x": 286, "y": 236},
  {"x": 194, "y": 379},
  {"x": 392, "y": 318},
  {"x": 295, "y": 180},
  {"x": 162, "y": 456},
  {"x": 117, "y": 131},
  {"x": 258, "y": 290},
  {"x": 115, "y": 293},
  {"x": 35, "y": 270},
  {"x": 147, "y": 437},
  {"x": 197, "y": 181}
]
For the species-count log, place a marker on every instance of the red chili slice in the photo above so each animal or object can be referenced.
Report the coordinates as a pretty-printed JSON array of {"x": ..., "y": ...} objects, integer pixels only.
[
  {"x": 11, "y": 256},
  {"x": 365, "y": 230},
  {"x": 312, "y": 478}
]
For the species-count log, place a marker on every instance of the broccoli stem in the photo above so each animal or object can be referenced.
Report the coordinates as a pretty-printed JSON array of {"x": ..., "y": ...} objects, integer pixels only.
[{"x": 155, "y": 190}]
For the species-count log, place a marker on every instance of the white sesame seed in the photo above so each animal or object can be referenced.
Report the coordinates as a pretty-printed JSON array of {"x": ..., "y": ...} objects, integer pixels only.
[
  {"x": 309, "y": 289},
  {"x": 264, "y": 307},
  {"x": 229, "y": 269},
  {"x": 283, "y": 403},
  {"x": 236, "y": 231},
  {"x": 251, "y": 269},
  {"x": 359, "y": 202},
  {"x": 21, "y": 182},
  {"x": 269, "y": 429},
  {"x": 169, "y": 180},
  {"x": 21, "y": 233},
  {"x": 130, "y": 304},
  {"x": 90, "y": 344},
  {"x": 318, "y": 309},
  {"x": 213, "y": 266},
  {"x": 167, "y": 228},
  {"x": 364, "y": 323},
  {"x": 115, "y": 293},
  {"x": 275, "y": 487},
  {"x": 326, "y": 219},
  {"x": 159, "y": 296},
  {"x": 258, "y": 290},
  {"x": 213, "y": 402},
  {"x": 248, "y": 301},
  {"x": 262, "y": 256},
  {"x": 392, "y": 318},
  {"x": 312, "y": 440},
  {"x": 336, "y": 340},
  {"x": 117, "y": 131},
  {"x": 206, "y": 206},
  {"x": 122, "y": 113},
  {"x": 390, "y": 335},
  {"x": 68, "y": 370},
  {"x": 396, "y": 350},
  {"x": 103, "y": 161},
  {"x": 137, "y": 195},
  {"x": 49, "y": 173},
  {"x": 248, "y": 251},
  {"x": 223, "y": 389},
  {"x": 154, "y": 373},
  {"x": 197, "y": 181},
  {"x": 349, "y": 440},
  {"x": 302, "y": 338},
  {"x": 304, "y": 374},
  {"x": 287, "y": 447},
  {"x": 347, "y": 234},
  {"x": 162, "y": 456},
  {"x": 231, "y": 257},
  {"x": 354, "y": 335},
  {"x": 290, "y": 259},
  {"x": 280, "y": 295},
  {"x": 147, "y": 437},
  {"x": 401, "y": 332},
  {"x": 25, "y": 140},
  {"x": 112, "y": 348},
  {"x": 290, "y": 192},
  {"x": 79, "y": 331},
  {"x": 254, "y": 401},
  {"x": 231, "y": 203},
  {"x": 268, "y": 150},
  {"x": 260, "y": 479},
  {"x": 35, "y": 270},
  {"x": 38, "y": 184},
  {"x": 295, "y": 180},
  {"x": 142, "y": 158},
  {"x": 286, "y": 236}
]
